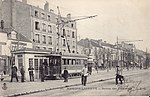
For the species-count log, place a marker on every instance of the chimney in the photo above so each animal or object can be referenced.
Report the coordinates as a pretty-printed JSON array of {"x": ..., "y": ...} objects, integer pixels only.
[
  {"x": 24, "y": 1},
  {"x": 100, "y": 42},
  {"x": 46, "y": 6},
  {"x": 68, "y": 16}
]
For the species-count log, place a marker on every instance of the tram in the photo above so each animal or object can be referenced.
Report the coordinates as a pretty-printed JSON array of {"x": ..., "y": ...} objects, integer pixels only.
[{"x": 54, "y": 65}]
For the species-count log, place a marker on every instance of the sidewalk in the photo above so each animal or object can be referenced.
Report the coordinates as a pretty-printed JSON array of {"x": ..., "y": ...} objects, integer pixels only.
[{"x": 30, "y": 87}]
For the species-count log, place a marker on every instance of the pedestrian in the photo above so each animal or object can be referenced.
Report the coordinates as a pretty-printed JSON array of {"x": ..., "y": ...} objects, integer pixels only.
[
  {"x": 96, "y": 68},
  {"x": 119, "y": 76},
  {"x": 31, "y": 74},
  {"x": 84, "y": 74},
  {"x": 22, "y": 71},
  {"x": 14, "y": 73},
  {"x": 41, "y": 68},
  {"x": 65, "y": 75}
]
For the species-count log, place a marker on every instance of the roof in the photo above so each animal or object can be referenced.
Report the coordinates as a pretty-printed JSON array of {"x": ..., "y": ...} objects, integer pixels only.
[
  {"x": 107, "y": 44},
  {"x": 88, "y": 43},
  {"x": 93, "y": 43},
  {"x": 21, "y": 37}
]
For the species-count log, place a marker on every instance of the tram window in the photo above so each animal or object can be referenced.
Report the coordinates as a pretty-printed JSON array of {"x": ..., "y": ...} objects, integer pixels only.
[
  {"x": 67, "y": 61},
  {"x": 77, "y": 61},
  {"x": 72, "y": 61},
  {"x": 64, "y": 62}
]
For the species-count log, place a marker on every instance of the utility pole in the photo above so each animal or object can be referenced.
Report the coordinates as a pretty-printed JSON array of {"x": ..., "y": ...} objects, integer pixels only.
[{"x": 61, "y": 24}]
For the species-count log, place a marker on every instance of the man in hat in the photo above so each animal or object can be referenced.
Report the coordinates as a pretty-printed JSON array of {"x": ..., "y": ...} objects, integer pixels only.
[
  {"x": 14, "y": 73},
  {"x": 84, "y": 74},
  {"x": 31, "y": 74},
  {"x": 119, "y": 76},
  {"x": 22, "y": 71},
  {"x": 65, "y": 75}
]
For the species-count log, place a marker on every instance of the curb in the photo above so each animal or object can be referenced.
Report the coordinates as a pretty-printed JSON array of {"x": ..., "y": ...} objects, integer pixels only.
[{"x": 47, "y": 89}]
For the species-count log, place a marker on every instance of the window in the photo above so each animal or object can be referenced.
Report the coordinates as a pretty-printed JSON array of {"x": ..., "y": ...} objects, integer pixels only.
[
  {"x": 64, "y": 43},
  {"x": 48, "y": 18},
  {"x": 44, "y": 27},
  {"x": 63, "y": 32},
  {"x": 37, "y": 38},
  {"x": 42, "y": 15},
  {"x": 37, "y": 47},
  {"x": 44, "y": 39},
  {"x": 50, "y": 49},
  {"x": 37, "y": 25},
  {"x": 50, "y": 28},
  {"x": 30, "y": 62},
  {"x": 44, "y": 48},
  {"x": 68, "y": 61},
  {"x": 68, "y": 33},
  {"x": 72, "y": 25},
  {"x": 36, "y": 13},
  {"x": 20, "y": 63},
  {"x": 64, "y": 61},
  {"x": 50, "y": 40},
  {"x": 73, "y": 34},
  {"x": 36, "y": 64},
  {"x": 73, "y": 44}
]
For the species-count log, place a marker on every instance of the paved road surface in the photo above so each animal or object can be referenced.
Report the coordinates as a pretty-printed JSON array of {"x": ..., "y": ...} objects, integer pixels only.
[{"x": 138, "y": 85}]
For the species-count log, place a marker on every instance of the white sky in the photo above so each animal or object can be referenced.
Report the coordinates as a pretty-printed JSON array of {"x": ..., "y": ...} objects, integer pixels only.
[{"x": 127, "y": 19}]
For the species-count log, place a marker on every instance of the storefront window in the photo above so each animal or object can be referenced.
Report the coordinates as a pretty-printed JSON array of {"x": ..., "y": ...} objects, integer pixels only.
[
  {"x": 36, "y": 64},
  {"x": 20, "y": 63},
  {"x": 30, "y": 62}
]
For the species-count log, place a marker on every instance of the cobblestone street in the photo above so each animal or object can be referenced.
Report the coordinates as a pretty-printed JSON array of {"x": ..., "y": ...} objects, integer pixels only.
[{"x": 16, "y": 88}]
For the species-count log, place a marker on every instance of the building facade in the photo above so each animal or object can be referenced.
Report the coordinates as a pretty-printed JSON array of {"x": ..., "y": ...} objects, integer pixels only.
[{"x": 40, "y": 26}]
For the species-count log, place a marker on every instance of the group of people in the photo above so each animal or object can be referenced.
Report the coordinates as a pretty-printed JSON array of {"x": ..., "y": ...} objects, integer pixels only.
[
  {"x": 84, "y": 74},
  {"x": 14, "y": 71},
  {"x": 65, "y": 75}
]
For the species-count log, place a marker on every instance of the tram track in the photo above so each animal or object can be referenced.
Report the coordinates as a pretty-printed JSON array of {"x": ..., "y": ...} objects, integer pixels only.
[{"x": 66, "y": 86}]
